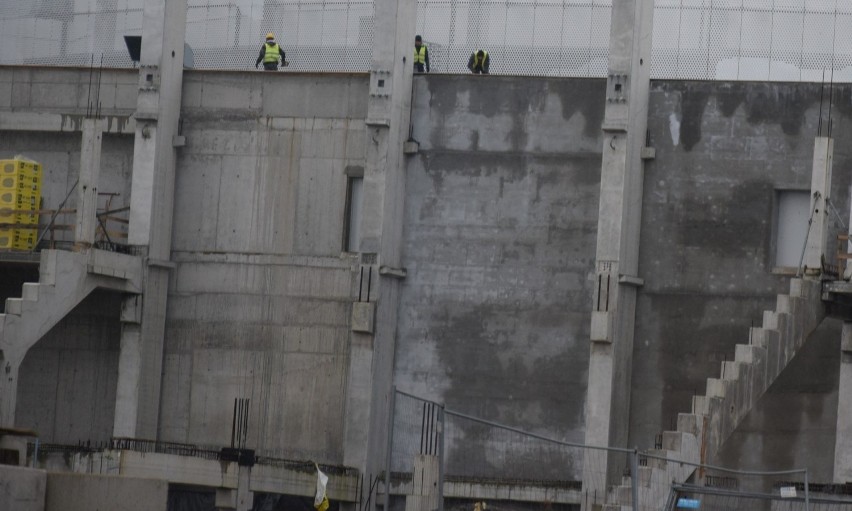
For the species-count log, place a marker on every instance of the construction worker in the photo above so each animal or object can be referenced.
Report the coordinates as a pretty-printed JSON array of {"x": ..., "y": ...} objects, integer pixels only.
[
  {"x": 421, "y": 56},
  {"x": 479, "y": 62},
  {"x": 270, "y": 52}
]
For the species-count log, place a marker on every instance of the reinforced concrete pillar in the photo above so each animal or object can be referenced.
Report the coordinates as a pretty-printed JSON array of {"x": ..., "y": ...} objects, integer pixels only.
[
  {"x": 151, "y": 209},
  {"x": 616, "y": 265},
  {"x": 372, "y": 354},
  {"x": 87, "y": 184},
  {"x": 843, "y": 442},
  {"x": 129, "y": 368},
  {"x": 818, "y": 227},
  {"x": 424, "y": 484},
  {"x": 9, "y": 366}
]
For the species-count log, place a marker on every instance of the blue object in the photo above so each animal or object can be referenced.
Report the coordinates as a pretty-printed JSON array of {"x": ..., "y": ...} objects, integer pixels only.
[{"x": 688, "y": 503}]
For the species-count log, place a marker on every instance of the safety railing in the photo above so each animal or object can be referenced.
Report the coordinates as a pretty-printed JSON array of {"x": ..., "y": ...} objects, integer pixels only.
[{"x": 438, "y": 455}]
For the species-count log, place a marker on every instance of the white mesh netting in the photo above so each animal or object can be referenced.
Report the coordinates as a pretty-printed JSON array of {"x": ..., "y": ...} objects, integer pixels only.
[
  {"x": 693, "y": 39},
  {"x": 318, "y": 35}
]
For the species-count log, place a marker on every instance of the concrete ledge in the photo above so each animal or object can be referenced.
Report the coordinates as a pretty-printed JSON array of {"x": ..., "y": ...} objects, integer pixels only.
[
  {"x": 179, "y": 469},
  {"x": 291, "y": 481},
  {"x": 72, "y": 492},
  {"x": 113, "y": 264},
  {"x": 35, "y": 121},
  {"x": 493, "y": 490},
  {"x": 22, "y": 489}
]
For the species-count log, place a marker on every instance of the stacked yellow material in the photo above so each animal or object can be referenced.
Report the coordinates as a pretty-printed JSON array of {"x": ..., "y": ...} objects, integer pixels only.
[{"x": 20, "y": 197}]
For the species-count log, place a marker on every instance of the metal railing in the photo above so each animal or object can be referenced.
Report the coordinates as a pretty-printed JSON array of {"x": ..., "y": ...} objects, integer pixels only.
[{"x": 477, "y": 458}]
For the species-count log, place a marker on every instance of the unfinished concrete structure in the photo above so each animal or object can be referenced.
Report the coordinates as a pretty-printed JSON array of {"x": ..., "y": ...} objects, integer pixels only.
[{"x": 493, "y": 210}]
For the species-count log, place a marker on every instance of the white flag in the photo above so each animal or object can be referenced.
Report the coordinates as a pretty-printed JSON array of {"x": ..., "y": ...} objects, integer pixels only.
[{"x": 321, "y": 500}]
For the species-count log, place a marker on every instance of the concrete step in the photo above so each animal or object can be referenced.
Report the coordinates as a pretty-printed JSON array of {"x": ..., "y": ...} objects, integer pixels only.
[
  {"x": 14, "y": 306},
  {"x": 30, "y": 291}
]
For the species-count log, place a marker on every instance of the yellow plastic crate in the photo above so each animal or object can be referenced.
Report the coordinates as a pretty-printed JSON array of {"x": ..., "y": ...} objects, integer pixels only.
[
  {"x": 15, "y": 200},
  {"x": 20, "y": 167},
  {"x": 7, "y": 238},
  {"x": 24, "y": 239},
  {"x": 17, "y": 239},
  {"x": 18, "y": 182},
  {"x": 27, "y": 193},
  {"x": 19, "y": 218}
]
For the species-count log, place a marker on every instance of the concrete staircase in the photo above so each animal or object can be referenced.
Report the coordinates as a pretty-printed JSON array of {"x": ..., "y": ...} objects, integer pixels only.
[
  {"x": 728, "y": 399},
  {"x": 65, "y": 279}
]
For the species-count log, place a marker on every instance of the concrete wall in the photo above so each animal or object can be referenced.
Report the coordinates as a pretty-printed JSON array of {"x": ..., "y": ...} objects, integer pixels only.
[
  {"x": 69, "y": 91},
  {"x": 22, "y": 489},
  {"x": 72, "y": 492},
  {"x": 722, "y": 151},
  {"x": 501, "y": 215},
  {"x": 68, "y": 380},
  {"x": 259, "y": 305},
  {"x": 501, "y": 212}
]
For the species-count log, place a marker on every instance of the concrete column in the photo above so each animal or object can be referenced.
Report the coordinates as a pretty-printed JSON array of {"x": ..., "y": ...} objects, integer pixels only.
[
  {"x": 9, "y": 366},
  {"x": 619, "y": 220},
  {"x": 843, "y": 441},
  {"x": 87, "y": 186},
  {"x": 424, "y": 484},
  {"x": 371, "y": 357},
  {"x": 820, "y": 190},
  {"x": 151, "y": 209},
  {"x": 239, "y": 498},
  {"x": 129, "y": 369}
]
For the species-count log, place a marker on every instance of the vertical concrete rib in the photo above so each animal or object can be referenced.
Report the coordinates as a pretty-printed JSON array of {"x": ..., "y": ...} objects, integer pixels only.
[
  {"x": 87, "y": 187},
  {"x": 622, "y": 172},
  {"x": 843, "y": 441},
  {"x": 151, "y": 209},
  {"x": 388, "y": 117}
]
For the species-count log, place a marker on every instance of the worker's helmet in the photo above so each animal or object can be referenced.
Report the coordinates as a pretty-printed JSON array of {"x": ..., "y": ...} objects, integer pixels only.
[{"x": 270, "y": 36}]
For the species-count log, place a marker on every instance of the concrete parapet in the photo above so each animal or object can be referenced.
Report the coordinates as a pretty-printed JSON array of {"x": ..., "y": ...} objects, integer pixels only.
[
  {"x": 79, "y": 492},
  {"x": 22, "y": 489}
]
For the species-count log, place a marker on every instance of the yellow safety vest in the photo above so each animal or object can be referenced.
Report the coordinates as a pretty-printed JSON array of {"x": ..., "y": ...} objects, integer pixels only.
[
  {"x": 272, "y": 53},
  {"x": 420, "y": 55},
  {"x": 476, "y": 61}
]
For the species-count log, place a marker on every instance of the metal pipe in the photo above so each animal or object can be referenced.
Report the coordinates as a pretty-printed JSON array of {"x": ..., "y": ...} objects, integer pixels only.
[
  {"x": 440, "y": 458},
  {"x": 807, "y": 492},
  {"x": 634, "y": 477},
  {"x": 389, "y": 449}
]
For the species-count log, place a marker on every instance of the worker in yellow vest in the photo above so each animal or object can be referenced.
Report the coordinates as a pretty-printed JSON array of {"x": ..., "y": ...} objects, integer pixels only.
[
  {"x": 421, "y": 56},
  {"x": 270, "y": 52},
  {"x": 479, "y": 62}
]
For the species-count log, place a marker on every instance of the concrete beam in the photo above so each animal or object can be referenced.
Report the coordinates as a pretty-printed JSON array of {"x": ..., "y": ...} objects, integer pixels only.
[
  {"x": 86, "y": 491},
  {"x": 491, "y": 490},
  {"x": 35, "y": 121},
  {"x": 277, "y": 479}
]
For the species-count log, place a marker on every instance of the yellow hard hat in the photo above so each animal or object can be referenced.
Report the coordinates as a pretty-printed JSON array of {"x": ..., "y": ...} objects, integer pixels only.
[{"x": 270, "y": 36}]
